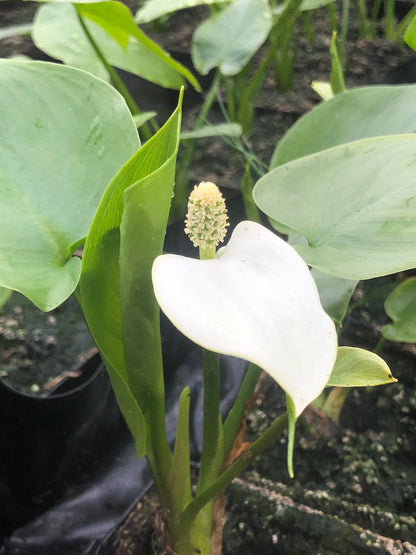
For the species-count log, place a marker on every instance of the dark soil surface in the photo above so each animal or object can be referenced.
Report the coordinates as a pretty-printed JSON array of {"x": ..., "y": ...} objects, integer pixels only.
[
  {"x": 38, "y": 349},
  {"x": 354, "y": 489}
]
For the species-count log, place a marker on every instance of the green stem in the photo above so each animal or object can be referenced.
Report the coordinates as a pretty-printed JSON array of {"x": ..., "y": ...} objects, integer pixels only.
[
  {"x": 211, "y": 459},
  {"x": 345, "y": 17},
  {"x": 268, "y": 437},
  {"x": 365, "y": 25},
  {"x": 207, "y": 253},
  {"x": 375, "y": 10},
  {"x": 180, "y": 199},
  {"x": 252, "y": 212},
  {"x": 380, "y": 345},
  {"x": 159, "y": 454},
  {"x": 235, "y": 416},
  {"x": 230, "y": 94},
  {"x": 332, "y": 16},
  {"x": 337, "y": 79},
  {"x": 115, "y": 78},
  {"x": 389, "y": 24},
  {"x": 334, "y": 403}
]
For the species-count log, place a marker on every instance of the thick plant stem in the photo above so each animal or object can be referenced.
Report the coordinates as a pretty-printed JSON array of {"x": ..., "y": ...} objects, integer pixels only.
[
  {"x": 389, "y": 19},
  {"x": 181, "y": 185},
  {"x": 235, "y": 416},
  {"x": 345, "y": 18},
  {"x": 334, "y": 403},
  {"x": 252, "y": 212},
  {"x": 380, "y": 345},
  {"x": 211, "y": 459},
  {"x": 191, "y": 511},
  {"x": 116, "y": 79},
  {"x": 159, "y": 455}
]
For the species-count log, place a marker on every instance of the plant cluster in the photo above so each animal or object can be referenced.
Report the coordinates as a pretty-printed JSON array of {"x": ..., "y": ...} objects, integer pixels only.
[{"x": 340, "y": 188}]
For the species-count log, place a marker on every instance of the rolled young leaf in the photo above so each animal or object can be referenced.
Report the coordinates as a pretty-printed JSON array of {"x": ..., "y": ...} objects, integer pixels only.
[
  {"x": 257, "y": 300},
  {"x": 126, "y": 235}
]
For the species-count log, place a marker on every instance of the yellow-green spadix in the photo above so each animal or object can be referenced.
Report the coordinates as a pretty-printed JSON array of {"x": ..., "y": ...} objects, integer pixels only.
[{"x": 256, "y": 300}]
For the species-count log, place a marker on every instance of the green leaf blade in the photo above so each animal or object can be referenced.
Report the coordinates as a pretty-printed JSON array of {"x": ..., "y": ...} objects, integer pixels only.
[
  {"x": 55, "y": 165},
  {"x": 57, "y": 32},
  {"x": 359, "y": 368},
  {"x": 143, "y": 227},
  {"x": 354, "y": 203},
  {"x": 353, "y": 115},
  {"x": 230, "y": 38},
  {"x": 116, "y": 297}
]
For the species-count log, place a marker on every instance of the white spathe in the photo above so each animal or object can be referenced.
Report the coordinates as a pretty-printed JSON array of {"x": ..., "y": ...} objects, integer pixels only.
[{"x": 257, "y": 301}]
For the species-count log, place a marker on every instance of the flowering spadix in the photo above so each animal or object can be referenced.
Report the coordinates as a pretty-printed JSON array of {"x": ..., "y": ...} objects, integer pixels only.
[{"x": 257, "y": 301}]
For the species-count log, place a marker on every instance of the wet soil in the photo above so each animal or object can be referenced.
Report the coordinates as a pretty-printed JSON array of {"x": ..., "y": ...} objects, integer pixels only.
[{"x": 38, "y": 350}]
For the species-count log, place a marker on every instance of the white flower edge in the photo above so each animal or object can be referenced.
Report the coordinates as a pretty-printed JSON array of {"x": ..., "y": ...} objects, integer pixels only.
[{"x": 257, "y": 301}]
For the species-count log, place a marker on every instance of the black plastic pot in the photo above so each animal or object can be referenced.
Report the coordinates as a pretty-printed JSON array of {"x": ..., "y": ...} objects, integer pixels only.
[{"x": 48, "y": 442}]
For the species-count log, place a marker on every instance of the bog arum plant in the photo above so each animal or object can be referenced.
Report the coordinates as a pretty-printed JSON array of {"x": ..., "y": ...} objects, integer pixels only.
[{"x": 254, "y": 298}]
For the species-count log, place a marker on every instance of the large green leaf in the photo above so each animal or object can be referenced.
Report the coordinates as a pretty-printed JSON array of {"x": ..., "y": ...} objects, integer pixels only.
[
  {"x": 57, "y": 32},
  {"x": 400, "y": 305},
  {"x": 116, "y": 289},
  {"x": 63, "y": 136},
  {"x": 358, "y": 368},
  {"x": 152, "y": 9},
  {"x": 354, "y": 203},
  {"x": 353, "y": 115},
  {"x": 230, "y": 38}
]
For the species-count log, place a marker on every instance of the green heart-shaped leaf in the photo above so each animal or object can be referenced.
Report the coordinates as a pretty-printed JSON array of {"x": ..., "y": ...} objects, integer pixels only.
[
  {"x": 64, "y": 135},
  {"x": 354, "y": 203},
  {"x": 58, "y": 32},
  {"x": 350, "y": 116},
  {"x": 230, "y": 38}
]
